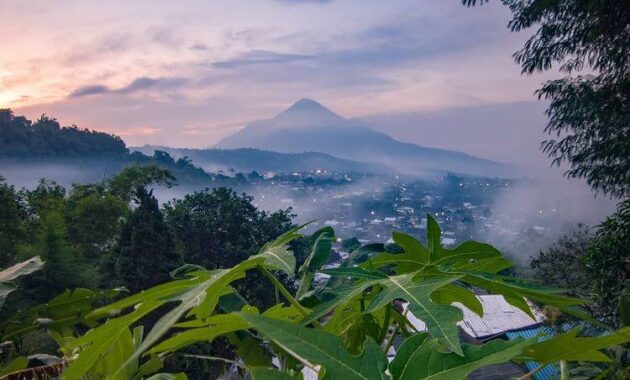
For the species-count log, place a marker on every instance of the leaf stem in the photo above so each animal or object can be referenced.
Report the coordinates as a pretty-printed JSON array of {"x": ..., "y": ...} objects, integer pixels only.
[
  {"x": 530, "y": 375},
  {"x": 278, "y": 285},
  {"x": 388, "y": 314}
]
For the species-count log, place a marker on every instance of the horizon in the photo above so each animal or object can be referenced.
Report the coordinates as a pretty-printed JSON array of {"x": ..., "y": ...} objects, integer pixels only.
[{"x": 187, "y": 76}]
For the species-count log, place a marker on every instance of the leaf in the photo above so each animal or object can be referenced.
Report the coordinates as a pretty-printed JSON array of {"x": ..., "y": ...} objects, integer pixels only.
[
  {"x": 14, "y": 365},
  {"x": 341, "y": 296},
  {"x": 412, "y": 247},
  {"x": 21, "y": 269},
  {"x": 276, "y": 253},
  {"x": 168, "y": 376},
  {"x": 514, "y": 291},
  {"x": 467, "y": 254},
  {"x": 116, "y": 356},
  {"x": 98, "y": 342},
  {"x": 451, "y": 293},
  {"x": 434, "y": 236},
  {"x": 354, "y": 273},
  {"x": 357, "y": 255},
  {"x": 316, "y": 348},
  {"x": 318, "y": 257},
  {"x": 62, "y": 312},
  {"x": 272, "y": 374},
  {"x": 417, "y": 358},
  {"x": 441, "y": 320},
  {"x": 216, "y": 326},
  {"x": 570, "y": 347}
]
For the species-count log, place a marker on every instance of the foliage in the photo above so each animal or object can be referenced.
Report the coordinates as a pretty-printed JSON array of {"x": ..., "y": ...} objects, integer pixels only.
[
  {"x": 11, "y": 222},
  {"x": 592, "y": 265},
  {"x": 130, "y": 179},
  {"x": 7, "y": 276},
  {"x": 201, "y": 308},
  {"x": 19, "y": 137},
  {"x": 589, "y": 114},
  {"x": 146, "y": 251}
]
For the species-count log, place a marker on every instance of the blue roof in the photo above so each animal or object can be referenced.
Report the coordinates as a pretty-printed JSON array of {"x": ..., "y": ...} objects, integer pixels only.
[{"x": 549, "y": 372}]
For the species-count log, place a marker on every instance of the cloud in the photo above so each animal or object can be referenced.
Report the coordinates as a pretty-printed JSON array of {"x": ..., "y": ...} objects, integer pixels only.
[
  {"x": 258, "y": 57},
  {"x": 137, "y": 84},
  {"x": 89, "y": 90}
]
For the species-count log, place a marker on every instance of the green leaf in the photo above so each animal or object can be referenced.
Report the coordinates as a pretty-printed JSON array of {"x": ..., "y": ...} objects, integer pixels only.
[
  {"x": 168, "y": 376},
  {"x": 14, "y": 365},
  {"x": 441, "y": 320},
  {"x": 434, "y": 236},
  {"x": 318, "y": 257},
  {"x": 514, "y": 291},
  {"x": 272, "y": 374},
  {"x": 451, "y": 293},
  {"x": 316, "y": 348},
  {"x": 21, "y": 269},
  {"x": 412, "y": 247},
  {"x": 354, "y": 273},
  {"x": 570, "y": 347},
  {"x": 276, "y": 253},
  {"x": 216, "y": 326},
  {"x": 97, "y": 342},
  {"x": 466, "y": 255},
  {"x": 341, "y": 296},
  {"x": 417, "y": 358},
  {"x": 59, "y": 314}
]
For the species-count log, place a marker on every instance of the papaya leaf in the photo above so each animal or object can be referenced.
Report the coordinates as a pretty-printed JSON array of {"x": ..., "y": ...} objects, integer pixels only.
[
  {"x": 354, "y": 273},
  {"x": 217, "y": 325},
  {"x": 417, "y": 358},
  {"x": 321, "y": 350},
  {"x": 96, "y": 343},
  {"x": 341, "y": 296},
  {"x": 318, "y": 257},
  {"x": 451, "y": 293},
  {"x": 514, "y": 291},
  {"x": 14, "y": 365},
  {"x": 61, "y": 313},
  {"x": 272, "y": 374},
  {"x": 441, "y": 320},
  {"x": 168, "y": 376},
  {"x": 412, "y": 247},
  {"x": 570, "y": 347},
  {"x": 21, "y": 269},
  {"x": 276, "y": 253},
  {"x": 434, "y": 238}
]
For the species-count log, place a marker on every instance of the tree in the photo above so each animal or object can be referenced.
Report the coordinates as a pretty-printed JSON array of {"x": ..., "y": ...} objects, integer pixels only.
[
  {"x": 608, "y": 264},
  {"x": 12, "y": 215},
  {"x": 146, "y": 253},
  {"x": 134, "y": 177},
  {"x": 65, "y": 267},
  {"x": 589, "y": 114}
]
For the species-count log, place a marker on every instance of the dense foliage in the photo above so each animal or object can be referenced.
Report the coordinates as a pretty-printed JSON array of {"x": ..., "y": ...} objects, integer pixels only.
[
  {"x": 22, "y": 138},
  {"x": 589, "y": 114},
  {"x": 341, "y": 329}
]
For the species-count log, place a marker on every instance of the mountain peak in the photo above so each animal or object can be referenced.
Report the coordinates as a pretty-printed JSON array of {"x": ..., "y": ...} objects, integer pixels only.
[
  {"x": 308, "y": 107},
  {"x": 306, "y": 103}
]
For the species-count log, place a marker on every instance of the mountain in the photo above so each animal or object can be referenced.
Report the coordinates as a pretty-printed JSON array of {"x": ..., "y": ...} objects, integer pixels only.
[
  {"x": 249, "y": 159},
  {"x": 307, "y": 126}
]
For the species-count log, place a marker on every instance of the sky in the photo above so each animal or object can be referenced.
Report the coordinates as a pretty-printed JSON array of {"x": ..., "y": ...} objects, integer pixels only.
[{"x": 187, "y": 73}]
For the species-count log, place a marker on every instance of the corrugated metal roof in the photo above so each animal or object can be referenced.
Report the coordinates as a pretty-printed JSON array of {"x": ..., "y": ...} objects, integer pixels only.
[
  {"x": 549, "y": 372},
  {"x": 498, "y": 317}
]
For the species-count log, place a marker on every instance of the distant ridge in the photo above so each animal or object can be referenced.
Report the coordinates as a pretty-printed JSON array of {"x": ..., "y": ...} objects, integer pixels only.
[
  {"x": 250, "y": 159},
  {"x": 308, "y": 126}
]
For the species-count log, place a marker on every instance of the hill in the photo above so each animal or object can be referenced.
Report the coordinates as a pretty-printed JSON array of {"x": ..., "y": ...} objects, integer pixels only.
[
  {"x": 307, "y": 126},
  {"x": 250, "y": 159}
]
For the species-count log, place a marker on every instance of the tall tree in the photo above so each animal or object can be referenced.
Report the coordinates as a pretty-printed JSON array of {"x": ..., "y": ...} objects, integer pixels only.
[
  {"x": 589, "y": 114},
  {"x": 146, "y": 252},
  {"x": 11, "y": 223}
]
